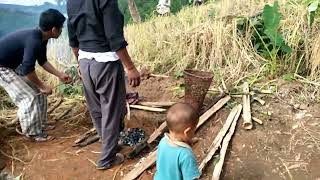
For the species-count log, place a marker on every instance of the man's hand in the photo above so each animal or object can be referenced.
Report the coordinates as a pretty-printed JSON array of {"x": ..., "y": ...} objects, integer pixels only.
[
  {"x": 65, "y": 78},
  {"x": 133, "y": 77},
  {"x": 46, "y": 90},
  {"x": 79, "y": 72}
]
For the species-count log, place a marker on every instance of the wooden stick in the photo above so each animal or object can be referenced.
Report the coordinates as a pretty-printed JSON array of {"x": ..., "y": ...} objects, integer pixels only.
[
  {"x": 57, "y": 104},
  {"x": 247, "y": 124},
  {"x": 223, "y": 151},
  {"x": 305, "y": 80},
  {"x": 151, "y": 159},
  {"x": 234, "y": 114},
  {"x": 257, "y": 120},
  {"x": 128, "y": 111},
  {"x": 115, "y": 174},
  {"x": 157, "y": 104},
  {"x": 262, "y": 102},
  {"x": 13, "y": 122},
  {"x": 159, "y": 75},
  {"x": 147, "y": 108}
]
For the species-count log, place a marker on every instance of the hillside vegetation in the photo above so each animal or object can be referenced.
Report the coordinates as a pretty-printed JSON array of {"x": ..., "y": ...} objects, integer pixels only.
[
  {"x": 11, "y": 21},
  {"x": 15, "y": 17}
]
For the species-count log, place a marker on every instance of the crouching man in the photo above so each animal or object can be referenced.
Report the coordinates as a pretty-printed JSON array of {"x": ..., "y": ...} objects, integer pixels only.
[{"x": 22, "y": 49}]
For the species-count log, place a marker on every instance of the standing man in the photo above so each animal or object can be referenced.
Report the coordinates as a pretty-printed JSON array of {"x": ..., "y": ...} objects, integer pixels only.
[
  {"x": 28, "y": 92},
  {"x": 96, "y": 36}
]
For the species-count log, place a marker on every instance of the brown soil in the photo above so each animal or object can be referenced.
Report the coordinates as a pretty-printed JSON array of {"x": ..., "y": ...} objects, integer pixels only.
[{"x": 286, "y": 146}]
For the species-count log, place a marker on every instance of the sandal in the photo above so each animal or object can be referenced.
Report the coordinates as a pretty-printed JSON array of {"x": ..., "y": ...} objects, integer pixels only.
[
  {"x": 19, "y": 131},
  {"x": 48, "y": 127},
  {"x": 119, "y": 159},
  {"x": 40, "y": 138}
]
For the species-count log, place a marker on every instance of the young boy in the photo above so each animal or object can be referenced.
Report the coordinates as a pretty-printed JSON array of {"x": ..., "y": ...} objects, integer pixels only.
[
  {"x": 23, "y": 49},
  {"x": 175, "y": 159}
]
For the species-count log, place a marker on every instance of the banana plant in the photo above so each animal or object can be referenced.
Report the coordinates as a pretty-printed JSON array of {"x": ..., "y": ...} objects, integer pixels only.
[{"x": 313, "y": 6}]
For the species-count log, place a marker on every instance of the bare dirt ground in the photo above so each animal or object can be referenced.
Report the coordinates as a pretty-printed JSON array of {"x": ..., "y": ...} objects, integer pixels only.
[{"x": 286, "y": 146}]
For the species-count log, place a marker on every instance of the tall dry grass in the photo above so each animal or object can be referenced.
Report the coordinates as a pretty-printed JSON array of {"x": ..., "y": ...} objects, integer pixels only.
[{"x": 206, "y": 38}]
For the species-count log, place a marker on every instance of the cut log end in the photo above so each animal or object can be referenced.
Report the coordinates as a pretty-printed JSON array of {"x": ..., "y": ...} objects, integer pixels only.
[{"x": 247, "y": 125}]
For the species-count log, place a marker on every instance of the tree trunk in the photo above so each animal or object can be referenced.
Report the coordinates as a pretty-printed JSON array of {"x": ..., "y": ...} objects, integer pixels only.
[{"x": 134, "y": 11}]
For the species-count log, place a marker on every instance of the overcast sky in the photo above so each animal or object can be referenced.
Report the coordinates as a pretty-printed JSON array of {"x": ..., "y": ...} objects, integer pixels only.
[{"x": 26, "y": 2}]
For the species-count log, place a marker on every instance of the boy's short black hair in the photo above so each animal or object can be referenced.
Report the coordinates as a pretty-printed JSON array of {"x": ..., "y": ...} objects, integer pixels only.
[
  {"x": 181, "y": 116},
  {"x": 51, "y": 18}
]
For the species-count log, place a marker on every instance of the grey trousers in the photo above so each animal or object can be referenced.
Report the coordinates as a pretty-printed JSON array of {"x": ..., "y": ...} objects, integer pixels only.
[{"x": 105, "y": 93}]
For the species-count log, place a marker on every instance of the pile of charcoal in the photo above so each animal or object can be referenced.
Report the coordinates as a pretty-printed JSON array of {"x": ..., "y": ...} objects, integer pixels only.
[{"x": 132, "y": 137}]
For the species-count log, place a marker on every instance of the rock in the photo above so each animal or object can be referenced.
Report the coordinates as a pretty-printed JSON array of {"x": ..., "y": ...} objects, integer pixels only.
[{"x": 310, "y": 146}]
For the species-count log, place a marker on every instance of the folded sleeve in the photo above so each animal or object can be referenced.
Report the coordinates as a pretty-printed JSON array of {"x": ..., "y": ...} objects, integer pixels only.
[{"x": 113, "y": 24}]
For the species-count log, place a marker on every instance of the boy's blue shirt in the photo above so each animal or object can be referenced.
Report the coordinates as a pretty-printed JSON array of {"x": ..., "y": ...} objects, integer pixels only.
[{"x": 175, "y": 161}]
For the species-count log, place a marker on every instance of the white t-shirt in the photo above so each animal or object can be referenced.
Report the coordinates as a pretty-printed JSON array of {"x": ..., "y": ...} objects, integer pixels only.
[{"x": 99, "y": 57}]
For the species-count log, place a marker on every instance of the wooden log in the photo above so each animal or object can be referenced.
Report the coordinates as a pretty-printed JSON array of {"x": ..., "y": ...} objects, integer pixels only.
[
  {"x": 151, "y": 159},
  {"x": 89, "y": 140},
  {"x": 214, "y": 101},
  {"x": 157, "y": 132},
  {"x": 247, "y": 124},
  {"x": 157, "y": 104},
  {"x": 203, "y": 118},
  {"x": 223, "y": 151},
  {"x": 64, "y": 113},
  {"x": 147, "y": 108},
  {"x": 83, "y": 137},
  {"x": 234, "y": 114}
]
